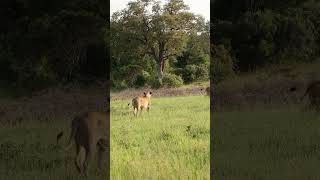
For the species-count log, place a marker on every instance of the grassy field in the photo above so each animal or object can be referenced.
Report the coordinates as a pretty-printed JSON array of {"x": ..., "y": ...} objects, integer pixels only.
[
  {"x": 29, "y": 152},
  {"x": 159, "y": 145},
  {"x": 266, "y": 145}
]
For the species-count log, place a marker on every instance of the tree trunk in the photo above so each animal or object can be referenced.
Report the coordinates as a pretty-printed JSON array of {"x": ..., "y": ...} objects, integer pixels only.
[
  {"x": 161, "y": 70},
  {"x": 161, "y": 60}
]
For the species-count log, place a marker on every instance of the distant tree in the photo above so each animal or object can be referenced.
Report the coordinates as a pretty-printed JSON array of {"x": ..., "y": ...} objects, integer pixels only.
[{"x": 161, "y": 33}]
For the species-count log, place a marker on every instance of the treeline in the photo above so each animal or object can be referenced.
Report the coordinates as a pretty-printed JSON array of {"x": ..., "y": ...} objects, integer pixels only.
[
  {"x": 46, "y": 43},
  {"x": 250, "y": 34},
  {"x": 158, "y": 45}
]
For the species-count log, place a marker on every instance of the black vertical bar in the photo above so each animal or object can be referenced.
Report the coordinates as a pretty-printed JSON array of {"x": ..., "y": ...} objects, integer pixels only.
[
  {"x": 108, "y": 70},
  {"x": 211, "y": 96}
]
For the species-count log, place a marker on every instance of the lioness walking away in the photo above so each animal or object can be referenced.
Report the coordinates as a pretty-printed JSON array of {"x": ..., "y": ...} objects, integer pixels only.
[
  {"x": 141, "y": 102},
  {"x": 89, "y": 131}
]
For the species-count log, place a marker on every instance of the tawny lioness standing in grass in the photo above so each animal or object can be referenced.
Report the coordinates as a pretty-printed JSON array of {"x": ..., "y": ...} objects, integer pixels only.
[
  {"x": 313, "y": 92},
  {"x": 141, "y": 102},
  {"x": 207, "y": 90},
  {"x": 89, "y": 131}
]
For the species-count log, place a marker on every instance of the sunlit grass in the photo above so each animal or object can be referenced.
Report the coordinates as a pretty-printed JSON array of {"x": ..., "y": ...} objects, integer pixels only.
[
  {"x": 266, "y": 145},
  {"x": 29, "y": 152},
  {"x": 171, "y": 142}
]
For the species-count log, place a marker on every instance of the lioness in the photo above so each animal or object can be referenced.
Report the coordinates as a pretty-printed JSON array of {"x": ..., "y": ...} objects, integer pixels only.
[
  {"x": 141, "y": 102},
  {"x": 89, "y": 131},
  {"x": 207, "y": 90},
  {"x": 313, "y": 92}
]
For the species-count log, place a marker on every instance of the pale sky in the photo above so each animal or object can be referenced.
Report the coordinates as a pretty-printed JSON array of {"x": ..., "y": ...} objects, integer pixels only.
[{"x": 201, "y": 7}]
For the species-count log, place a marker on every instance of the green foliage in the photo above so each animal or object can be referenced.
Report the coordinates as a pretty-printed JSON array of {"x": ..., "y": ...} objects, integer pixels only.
[
  {"x": 172, "y": 80},
  {"x": 222, "y": 65},
  {"x": 46, "y": 43},
  {"x": 155, "y": 82},
  {"x": 193, "y": 64},
  {"x": 152, "y": 39},
  {"x": 142, "y": 79},
  {"x": 258, "y": 37},
  {"x": 119, "y": 85},
  {"x": 193, "y": 73}
]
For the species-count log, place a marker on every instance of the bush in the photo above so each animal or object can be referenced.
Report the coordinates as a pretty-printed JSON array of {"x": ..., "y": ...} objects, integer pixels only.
[
  {"x": 155, "y": 83},
  {"x": 202, "y": 72},
  {"x": 189, "y": 74},
  {"x": 172, "y": 80},
  {"x": 193, "y": 73},
  {"x": 221, "y": 66},
  {"x": 119, "y": 85},
  {"x": 142, "y": 79}
]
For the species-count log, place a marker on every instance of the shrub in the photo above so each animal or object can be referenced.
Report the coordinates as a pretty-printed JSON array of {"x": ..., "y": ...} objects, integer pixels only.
[
  {"x": 155, "y": 82},
  {"x": 193, "y": 73},
  {"x": 221, "y": 66},
  {"x": 172, "y": 80},
  {"x": 119, "y": 84},
  {"x": 202, "y": 72},
  {"x": 189, "y": 74},
  {"x": 142, "y": 79}
]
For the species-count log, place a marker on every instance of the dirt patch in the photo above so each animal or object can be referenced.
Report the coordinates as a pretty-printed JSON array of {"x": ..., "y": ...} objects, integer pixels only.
[
  {"x": 52, "y": 105},
  {"x": 163, "y": 92},
  {"x": 269, "y": 88}
]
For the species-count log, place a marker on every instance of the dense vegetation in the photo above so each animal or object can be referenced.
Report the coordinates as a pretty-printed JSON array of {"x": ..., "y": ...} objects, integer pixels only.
[
  {"x": 46, "y": 43},
  {"x": 251, "y": 34},
  {"x": 259, "y": 50},
  {"x": 158, "y": 45}
]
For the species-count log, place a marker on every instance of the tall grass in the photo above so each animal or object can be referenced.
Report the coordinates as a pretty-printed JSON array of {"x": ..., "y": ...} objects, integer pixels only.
[
  {"x": 171, "y": 142},
  {"x": 264, "y": 145},
  {"x": 29, "y": 152}
]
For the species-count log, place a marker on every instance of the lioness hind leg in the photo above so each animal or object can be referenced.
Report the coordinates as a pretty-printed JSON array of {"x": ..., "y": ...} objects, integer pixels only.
[
  {"x": 89, "y": 155},
  {"x": 141, "y": 108},
  {"x": 101, "y": 150},
  {"x": 135, "y": 111},
  {"x": 80, "y": 159},
  {"x": 76, "y": 160}
]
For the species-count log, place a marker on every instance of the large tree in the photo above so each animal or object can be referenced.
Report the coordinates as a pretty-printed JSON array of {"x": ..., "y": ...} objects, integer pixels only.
[{"x": 160, "y": 31}]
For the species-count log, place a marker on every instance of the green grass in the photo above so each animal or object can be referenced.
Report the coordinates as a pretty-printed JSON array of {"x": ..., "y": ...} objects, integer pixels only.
[
  {"x": 158, "y": 145},
  {"x": 266, "y": 145},
  {"x": 29, "y": 152}
]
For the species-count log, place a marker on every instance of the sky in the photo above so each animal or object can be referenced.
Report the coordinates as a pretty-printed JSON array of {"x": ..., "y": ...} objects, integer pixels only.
[{"x": 201, "y": 7}]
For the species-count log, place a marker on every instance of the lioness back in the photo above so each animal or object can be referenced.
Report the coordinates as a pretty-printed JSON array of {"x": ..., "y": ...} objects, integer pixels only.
[
  {"x": 97, "y": 119},
  {"x": 141, "y": 101}
]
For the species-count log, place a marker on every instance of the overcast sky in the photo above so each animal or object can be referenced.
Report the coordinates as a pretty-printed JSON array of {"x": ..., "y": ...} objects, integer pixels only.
[{"x": 201, "y": 7}]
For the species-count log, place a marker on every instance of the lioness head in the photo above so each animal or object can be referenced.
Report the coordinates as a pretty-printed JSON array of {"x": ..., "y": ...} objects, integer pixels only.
[{"x": 148, "y": 95}]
